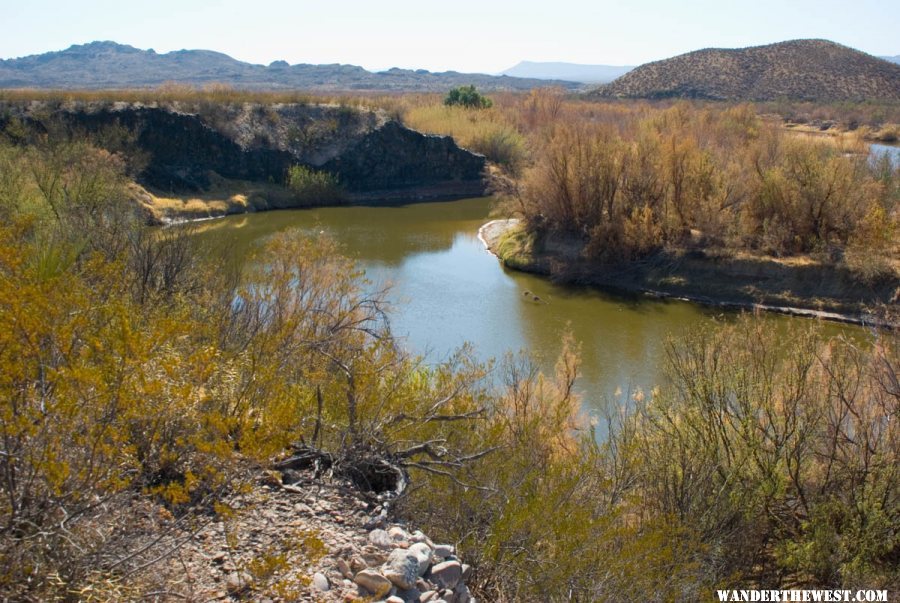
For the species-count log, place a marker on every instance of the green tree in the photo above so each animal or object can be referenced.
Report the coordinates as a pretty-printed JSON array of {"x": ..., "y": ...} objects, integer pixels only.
[{"x": 467, "y": 96}]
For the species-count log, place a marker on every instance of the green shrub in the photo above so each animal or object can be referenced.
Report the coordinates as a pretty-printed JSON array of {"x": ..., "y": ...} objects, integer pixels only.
[
  {"x": 313, "y": 187},
  {"x": 467, "y": 96}
]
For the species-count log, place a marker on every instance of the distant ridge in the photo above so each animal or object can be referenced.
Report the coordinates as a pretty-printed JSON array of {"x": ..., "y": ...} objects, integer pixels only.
[
  {"x": 112, "y": 65},
  {"x": 895, "y": 59},
  {"x": 589, "y": 74},
  {"x": 813, "y": 70}
]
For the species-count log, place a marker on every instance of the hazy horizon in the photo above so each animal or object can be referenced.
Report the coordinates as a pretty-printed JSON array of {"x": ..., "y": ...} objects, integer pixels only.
[{"x": 467, "y": 36}]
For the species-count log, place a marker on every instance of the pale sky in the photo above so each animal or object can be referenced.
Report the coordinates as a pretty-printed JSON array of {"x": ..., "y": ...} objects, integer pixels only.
[{"x": 465, "y": 35}]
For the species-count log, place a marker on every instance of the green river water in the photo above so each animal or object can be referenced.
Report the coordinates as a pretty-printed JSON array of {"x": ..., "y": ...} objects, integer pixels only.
[{"x": 446, "y": 290}]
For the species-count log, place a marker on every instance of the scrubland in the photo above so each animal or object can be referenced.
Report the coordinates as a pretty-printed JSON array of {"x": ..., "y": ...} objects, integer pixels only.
[{"x": 139, "y": 367}]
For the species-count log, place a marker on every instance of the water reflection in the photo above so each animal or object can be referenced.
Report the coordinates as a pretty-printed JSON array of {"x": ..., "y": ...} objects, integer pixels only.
[
  {"x": 447, "y": 290},
  {"x": 876, "y": 151}
]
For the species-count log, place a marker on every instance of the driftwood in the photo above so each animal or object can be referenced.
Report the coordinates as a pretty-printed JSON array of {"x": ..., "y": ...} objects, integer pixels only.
[{"x": 368, "y": 471}]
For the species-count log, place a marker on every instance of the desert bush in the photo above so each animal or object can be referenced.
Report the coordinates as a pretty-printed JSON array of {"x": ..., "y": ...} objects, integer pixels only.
[
  {"x": 777, "y": 414},
  {"x": 468, "y": 97},
  {"x": 630, "y": 184},
  {"x": 314, "y": 187},
  {"x": 820, "y": 196},
  {"x": 140, "y": 372},
  {"x": 766, "y": 459},
  {"x": 503, "y": 146}
]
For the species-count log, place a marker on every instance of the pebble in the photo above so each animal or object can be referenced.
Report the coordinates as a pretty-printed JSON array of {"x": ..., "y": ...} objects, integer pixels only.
[
  {"x": 321, "y": 582},
  {"x": 391, "y": 564},
  {"x": 446, "y": 574},
  {"x": 373, "y": 582},
  {"x": 466, "y": 572},
  {"x": 357, "y": 564},
  {"x": 461, "y": 593},
  {"x": 444, "y": 550},
  {"x": 220, "y": 557},
  {"x": 238, "y": 581},
  {"x": 402, "y": 569},
  {"x": 411, "y": 595},
  {"x": 398, "y": 534},
  {"x": 344, "y": 568},
  {"x": 374, "y": 558},
  {"x": 380, "y": 538},
  {"x": 422, "y": 552}
]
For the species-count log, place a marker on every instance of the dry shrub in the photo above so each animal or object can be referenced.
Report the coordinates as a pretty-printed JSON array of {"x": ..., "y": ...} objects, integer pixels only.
[{"x": 629, "y": 182}]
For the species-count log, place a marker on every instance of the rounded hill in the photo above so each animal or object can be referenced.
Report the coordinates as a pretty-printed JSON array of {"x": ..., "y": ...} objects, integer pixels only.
[{"x": 810, "y": 70}]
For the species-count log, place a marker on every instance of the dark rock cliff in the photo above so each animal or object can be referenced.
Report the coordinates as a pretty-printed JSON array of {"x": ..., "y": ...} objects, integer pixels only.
[
  {"x": 395, "y": 157},
  {"x": 370, "y": 153},
  {"x": 181, "y": 149}
]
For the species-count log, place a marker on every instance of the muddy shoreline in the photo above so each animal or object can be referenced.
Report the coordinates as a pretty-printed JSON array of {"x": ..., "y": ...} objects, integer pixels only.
[{"x": 492, "y": 234}]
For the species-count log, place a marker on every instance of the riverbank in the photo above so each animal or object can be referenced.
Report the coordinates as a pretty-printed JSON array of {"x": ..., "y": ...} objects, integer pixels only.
[
  {"x": 793, "y": 286},
  {"x": 231, "y": 197},
  {"x": 884, "y": 134}
]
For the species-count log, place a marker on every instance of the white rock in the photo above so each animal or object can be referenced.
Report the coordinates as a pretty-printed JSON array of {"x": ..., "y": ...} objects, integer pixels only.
[
  {"x": 321, "y": 582},
  {"x": 394, "y": 599},
  {"x": 402, "y": 568},
  {"x": 422, "y": 553}
]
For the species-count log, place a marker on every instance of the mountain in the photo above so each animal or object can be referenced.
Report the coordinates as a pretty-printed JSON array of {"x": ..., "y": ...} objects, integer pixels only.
[
  {"x": 112, "y": 65},
  {"x": 814, "y": 70},
  {"x": 895, "y": 59},
  {"x": 589, "y": 74}
]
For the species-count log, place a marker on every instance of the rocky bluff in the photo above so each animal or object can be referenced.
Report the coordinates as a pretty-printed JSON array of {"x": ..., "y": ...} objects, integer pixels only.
[{"x": 373, "y": 155}]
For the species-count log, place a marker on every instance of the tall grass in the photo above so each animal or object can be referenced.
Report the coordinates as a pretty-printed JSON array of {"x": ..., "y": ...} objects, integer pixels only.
[
  {"x": 195, "y": 96},
  {"x": 485, "y": 131}
]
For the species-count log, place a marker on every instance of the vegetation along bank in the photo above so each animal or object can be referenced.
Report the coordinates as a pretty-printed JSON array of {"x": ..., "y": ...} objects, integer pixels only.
[{"x": 148, "y": 390}]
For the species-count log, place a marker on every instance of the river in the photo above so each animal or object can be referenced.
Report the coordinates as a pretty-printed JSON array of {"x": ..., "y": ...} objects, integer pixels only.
[
  {"x": 446, "y": 290},
  {"x": 892, "y": 151}
]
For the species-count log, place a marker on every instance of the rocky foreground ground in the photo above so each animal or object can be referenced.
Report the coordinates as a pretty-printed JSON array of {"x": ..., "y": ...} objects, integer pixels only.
[{"x": 311, "y": 541}]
